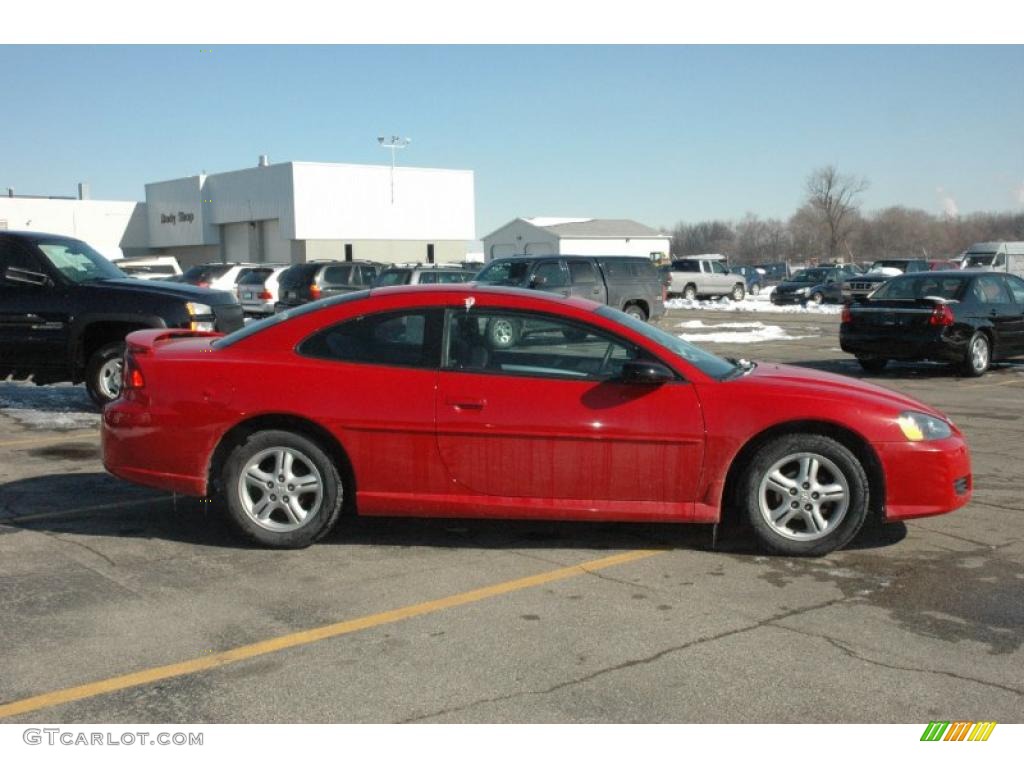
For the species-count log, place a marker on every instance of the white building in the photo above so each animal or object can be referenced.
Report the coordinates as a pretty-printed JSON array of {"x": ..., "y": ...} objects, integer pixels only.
[
  {"x": 294, "y": 212},
  {"x": 287, "y": 212},
  {"x": 580, "y": 237}
]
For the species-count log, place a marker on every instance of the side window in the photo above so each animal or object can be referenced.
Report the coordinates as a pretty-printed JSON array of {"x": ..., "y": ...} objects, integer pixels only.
[
  {"x": 13, "y": 256},
  {"x": 1016, "y": 286},
  {"x": 581, "y": 272},
  {"x": 718, "y": 268},
  {"x": 999, "y": 261},
  {"x": 988, "y": 289},
  {"x": 525, "y": 344},
  {"x": 338, "y": 275},
  {"x": 552, "y": 272},
  {"x": 407, "y": 339},
  {"x": 428, "y": 278}
]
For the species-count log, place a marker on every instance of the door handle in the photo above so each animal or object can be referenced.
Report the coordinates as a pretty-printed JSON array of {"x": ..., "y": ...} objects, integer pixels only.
[
  {"x": 596, "y": 291},
  {"x": 466, "y": 403}
]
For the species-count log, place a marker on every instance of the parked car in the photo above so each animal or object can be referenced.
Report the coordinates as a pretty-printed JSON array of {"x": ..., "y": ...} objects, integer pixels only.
[
  {"x": 940, "y": 264},
  {"x": 315, "y": 280},
  {"x": 65, "y": 310},
  {"x": 957, "y": 316},
  {"x": 753, "y": 277},
  {"x": 817, "y": 285},
  {"x": 629, "y": 283},
  {"x": 259, "y": 290},
  {"x": 774, "y": 272},
  {"x": 423, "y": 274},
  {"x": 149, "y": 267},
  {"x": 224, "y": 277},
  {"x": 881, "y": 271},
  {"x": 594, "y": 416},
  {"x": 1001, "y": 257},
  {"x": 697, "y": 276}
]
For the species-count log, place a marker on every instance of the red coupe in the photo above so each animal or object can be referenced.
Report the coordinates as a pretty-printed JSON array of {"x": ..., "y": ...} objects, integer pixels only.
[{"x": 468, "y": 401}]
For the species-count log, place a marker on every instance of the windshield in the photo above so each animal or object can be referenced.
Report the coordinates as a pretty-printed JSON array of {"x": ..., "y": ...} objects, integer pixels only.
[
  {"x": 919, "y": 287},
  {"x": 710, "y": 364},
  {"x": 979, "y": 259},
  {"x": 810, "y": 276},
  {"x": 505, "y": 273},
  {"x": 205, "y": 273},
  {"x": 77, "y": 261}
]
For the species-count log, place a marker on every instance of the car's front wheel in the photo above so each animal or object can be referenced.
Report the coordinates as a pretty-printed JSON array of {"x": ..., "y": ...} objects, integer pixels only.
[
  {"x": 805, "y": 494},
  {"x": 755, "y": 289},
  {"x": 738, "y": 292},
  {"x": 979, "y": 355},
  {"x": 817, "y": 298},
  {"x": 690, "y": 292},
  {"x": 282, "y": 489},
  {"x": 635, "y": 310},
  {"x": 103, "y": 373}
]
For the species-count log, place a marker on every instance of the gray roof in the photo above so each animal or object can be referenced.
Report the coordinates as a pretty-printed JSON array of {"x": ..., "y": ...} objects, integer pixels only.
[{"x": 602, "y": 228}]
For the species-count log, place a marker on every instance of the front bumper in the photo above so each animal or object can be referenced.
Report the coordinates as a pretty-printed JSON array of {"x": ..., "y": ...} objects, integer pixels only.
[{"x": 925, "y": 478}]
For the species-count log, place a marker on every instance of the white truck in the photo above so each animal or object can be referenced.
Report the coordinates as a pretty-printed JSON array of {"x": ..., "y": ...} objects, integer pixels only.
[
  {"x": 706, "y": 275},
  {"x": 995, "y": 256}
]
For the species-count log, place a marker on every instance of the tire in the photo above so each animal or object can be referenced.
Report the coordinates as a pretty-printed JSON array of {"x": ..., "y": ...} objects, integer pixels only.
[
  {"x": 873, "y": 364},
  {"x": 635, "y": 310},
  {"x": 979, "y": 355},
  {"x": 261, "y": 513},
  {"x": 103, "y": 373},
  {"x": 755, "y": 289},
  {"x": 817, "y": 298},
  {"x": 690, "y": 292},
  {"x": 822, "y": 478},
  {"x": 502, "y": 333},
  {"x": 738, "y": 292}
]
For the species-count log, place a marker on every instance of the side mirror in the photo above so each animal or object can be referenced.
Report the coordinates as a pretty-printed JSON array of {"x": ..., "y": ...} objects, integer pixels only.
[
  {"x": 538, "y": 282},
  {"x": 645, "y": 372},
  {"x": 27, "y": 277}
]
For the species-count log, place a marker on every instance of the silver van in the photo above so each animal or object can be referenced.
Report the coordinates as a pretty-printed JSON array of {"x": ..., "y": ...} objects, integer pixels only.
[{"x": 995, "y": 256}]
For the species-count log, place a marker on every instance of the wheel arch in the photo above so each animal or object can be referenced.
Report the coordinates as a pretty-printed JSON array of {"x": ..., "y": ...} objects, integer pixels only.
[
  {"x": 855, "y": 442},
  {"x": 288, "y": 423},
  {"x": 642, "y": 303},
  {"x": 94, "y": 331}
]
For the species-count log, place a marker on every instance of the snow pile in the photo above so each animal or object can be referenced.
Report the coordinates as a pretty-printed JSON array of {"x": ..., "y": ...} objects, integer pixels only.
[
  {"x": 57, "y": 406},
  {"x": 738, "y": 333},
  {"x": 753, "y": 304}
]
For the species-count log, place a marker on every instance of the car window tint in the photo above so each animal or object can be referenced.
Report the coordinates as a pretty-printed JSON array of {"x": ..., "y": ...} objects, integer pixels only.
[
  {"x": 718, "y": 268},
  {"x": 552, "y": 273},
  {"x": 341, "y": 275},
  {"x": 11, "y": 256},
  {"x": 685, "y": 266},
  {"x": 428, "y": 278},
  {"x": 582, "y": 272},
  {"x": 454, "y": 277},
  {"x": 525, "y": 344},
  {"x": 1016, "y": 288},
  {"x": 989, "y": 289},
  {"x": 388, "y": 338}
]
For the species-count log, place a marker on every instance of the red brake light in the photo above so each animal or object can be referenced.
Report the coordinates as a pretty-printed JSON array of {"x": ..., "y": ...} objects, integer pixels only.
[
  {"x": 202, "y": 284},
  {"x": 266, "y": 295},
  {"x": 942, "y": 315},
  {"x": 314, "y": 292},
  {"x": 133, "y": 378},
  {"x": 846, "y": 316}
]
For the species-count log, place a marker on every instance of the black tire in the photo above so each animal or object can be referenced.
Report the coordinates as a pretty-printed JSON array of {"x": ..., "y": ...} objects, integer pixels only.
[
  {"x": 502, "y": 333},
  {"x": 978, "y": 357},
  {"x": 817, "y": 298},
  {"x": 690, "y": 292},
  {"x": 792, "y": 533},
  {"x": 873, "y": 364},
  {"x": 635, "y": 310},
  {"x": 755, "y": 289},
  {"x": 739, "y": 293},
  {"x": 280, "y": 530},
  {"x": 101, "y": 367}
]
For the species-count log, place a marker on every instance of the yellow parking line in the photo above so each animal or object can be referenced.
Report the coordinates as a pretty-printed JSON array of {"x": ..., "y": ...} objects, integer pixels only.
[
  {"x": 77, "y": 438},
  {"x": 241, "y": 653}
]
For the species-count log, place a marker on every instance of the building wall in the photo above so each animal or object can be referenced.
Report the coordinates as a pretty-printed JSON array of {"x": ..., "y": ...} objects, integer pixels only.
[
  {"x": 387, "y": 251},
  {"x": 115, "y": 228},
  {"x": 610, "y": 246},
  {"x": 177, "y": 214},
  {"x": 518, "y": 237}
]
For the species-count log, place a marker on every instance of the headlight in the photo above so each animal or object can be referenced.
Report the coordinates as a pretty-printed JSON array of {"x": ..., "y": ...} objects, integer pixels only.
[
  {"x": 202, "y": 316},
  {"x": 920, "y": 426},
  {"x": 802, "y": 291}
]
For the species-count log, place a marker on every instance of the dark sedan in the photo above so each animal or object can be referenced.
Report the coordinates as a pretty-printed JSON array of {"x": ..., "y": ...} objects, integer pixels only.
[
  {"x": 817, "y": 285},
  {"x": 965, "y": 318}
]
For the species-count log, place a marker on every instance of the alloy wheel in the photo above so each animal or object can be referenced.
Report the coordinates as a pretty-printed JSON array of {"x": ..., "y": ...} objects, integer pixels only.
[
  {"x": 109, "y": 380},
  {"x": 280, "y": 489},
  {"x": 803, "y": 496}
]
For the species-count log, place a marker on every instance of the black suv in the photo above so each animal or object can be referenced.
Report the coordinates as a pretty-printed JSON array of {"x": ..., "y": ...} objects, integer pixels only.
[
  {"x": 312, "y": 280},
  {"x": 65, "y": 310},
  {"x": 630, "y": 283}
]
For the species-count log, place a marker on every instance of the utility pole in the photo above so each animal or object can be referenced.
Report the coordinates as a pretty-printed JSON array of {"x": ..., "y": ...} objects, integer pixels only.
[{"x": 396, "y": 142}]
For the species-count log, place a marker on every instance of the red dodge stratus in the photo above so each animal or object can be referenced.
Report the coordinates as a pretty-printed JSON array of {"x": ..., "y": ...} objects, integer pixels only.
[{"x": 468, "y": 401}]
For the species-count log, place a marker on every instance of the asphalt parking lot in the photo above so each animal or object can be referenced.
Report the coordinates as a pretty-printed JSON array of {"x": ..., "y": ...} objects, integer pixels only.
[{"x": 121, "y": 604}]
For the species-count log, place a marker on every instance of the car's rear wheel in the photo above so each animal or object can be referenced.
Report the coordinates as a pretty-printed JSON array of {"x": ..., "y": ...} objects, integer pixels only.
[
  {"x": 282, "y": 489},
  {"x": 873, "y": 364},
  {"x": 690, "y": 292},
  {"x": 103, "y": 373},
  {"x": 979, "y": 355},
  {"x": 755, "y": 289},
  {"x": 738, "y": 292},
  {"x": 805, "y": 494},
  {"x": 635, "y": 310}
]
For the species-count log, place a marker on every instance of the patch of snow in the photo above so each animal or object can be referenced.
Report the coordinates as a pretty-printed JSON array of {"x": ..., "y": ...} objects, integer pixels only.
[
  {"x": 60, "y": 407},
  {"x": 753, "y": 304},
  {"x": 702, "y": 324},
  {"x": 764, "y": 333}
]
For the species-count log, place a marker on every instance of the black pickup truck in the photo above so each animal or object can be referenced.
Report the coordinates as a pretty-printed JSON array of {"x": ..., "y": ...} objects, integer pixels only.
[{"x": 65, "y": 310}]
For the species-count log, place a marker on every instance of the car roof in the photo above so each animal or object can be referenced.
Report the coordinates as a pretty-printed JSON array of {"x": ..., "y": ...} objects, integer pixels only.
[{"x": 469, "y": 289}]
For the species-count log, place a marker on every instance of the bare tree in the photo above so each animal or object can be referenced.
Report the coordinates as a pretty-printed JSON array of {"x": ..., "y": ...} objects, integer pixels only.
[{"x": 833, "y": 197}]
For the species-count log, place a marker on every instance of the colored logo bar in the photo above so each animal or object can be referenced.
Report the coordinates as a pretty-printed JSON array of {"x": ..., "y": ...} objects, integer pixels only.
[{"x": 960, "y": 730}]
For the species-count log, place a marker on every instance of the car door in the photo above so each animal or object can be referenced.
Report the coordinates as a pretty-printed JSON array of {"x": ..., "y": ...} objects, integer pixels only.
[
  {"x": 546, "y": 421},
  {"x": 1015, "y": 329},
  {"x": 719, "y": 279},
  {"x": 585, "y": 282},
  {"x": 551, "y": 276},
  {"x": 994, "y": 304},
  {"x": 35, "y": 312}
]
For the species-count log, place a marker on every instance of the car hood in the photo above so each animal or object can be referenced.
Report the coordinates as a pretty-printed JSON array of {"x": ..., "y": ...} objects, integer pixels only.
[
  {"x": 181, "y": 291},
  {"x": 844, "y": 391}
]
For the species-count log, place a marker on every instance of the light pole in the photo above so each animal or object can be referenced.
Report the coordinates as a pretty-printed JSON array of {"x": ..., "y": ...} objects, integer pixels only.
[{"x": 396, "y": 142}]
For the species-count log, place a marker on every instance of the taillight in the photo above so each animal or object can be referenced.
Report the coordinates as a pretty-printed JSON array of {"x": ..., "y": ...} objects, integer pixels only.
[
  {"x": 202, "y": 284},
  {"x": 846, "y": 315},
  {"x": 133, "y": 378},
  {"x": 315, "y": 292},
  {"x": 266, "y": 295},
  {"x": 942, "y": 315}
]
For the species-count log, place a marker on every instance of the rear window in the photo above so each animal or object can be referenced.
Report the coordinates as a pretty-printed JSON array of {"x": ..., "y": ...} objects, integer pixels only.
[
  {"x": 205, "y": 273},
  {"x": 297, "y": 276},
  {"x": 913, "y": 288},
  {"x": 254, "y": 277},
  {"x": 392, "y": 277}
]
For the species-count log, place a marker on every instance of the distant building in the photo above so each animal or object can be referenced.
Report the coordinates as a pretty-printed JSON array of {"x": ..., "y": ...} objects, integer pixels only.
[{"x": 581, "y": 237}]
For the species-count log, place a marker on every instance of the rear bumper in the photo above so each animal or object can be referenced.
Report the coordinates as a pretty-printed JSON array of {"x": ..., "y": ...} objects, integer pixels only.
[
  {"x": 926, "y": 478},
  {"x": 896, "y": 345},
  {"x": 787, "y": 298}
]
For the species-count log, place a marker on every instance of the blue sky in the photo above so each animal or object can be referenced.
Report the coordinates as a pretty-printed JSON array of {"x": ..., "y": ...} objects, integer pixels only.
[{"x": 657, "y": 134}]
